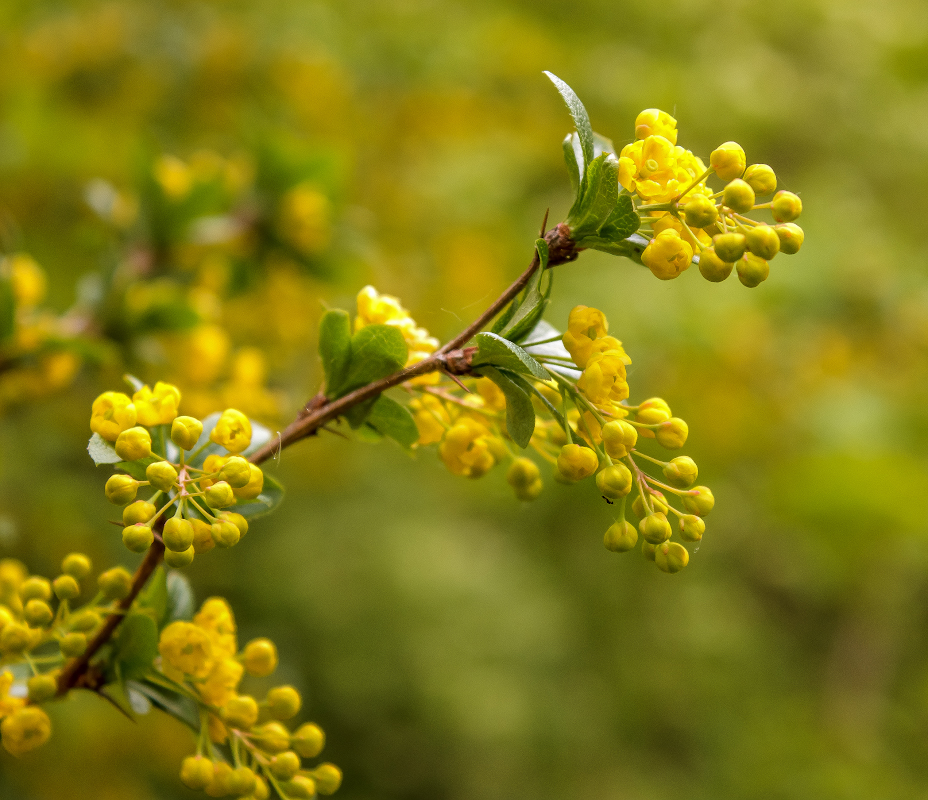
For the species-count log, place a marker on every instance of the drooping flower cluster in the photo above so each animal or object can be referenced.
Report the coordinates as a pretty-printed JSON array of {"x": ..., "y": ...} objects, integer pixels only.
[
  {"x": 201, "y": 494},
  {"x": 200, "y": 659},
  {"x": 683, "y": 216}
]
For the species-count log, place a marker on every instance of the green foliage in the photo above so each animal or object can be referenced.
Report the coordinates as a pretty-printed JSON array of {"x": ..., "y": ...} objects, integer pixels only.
[
  {"x": 520, "y": 413},
  {"x": 272, "y": 495},
  {"x": 524, "y": 312},
  {"x": 335, "y": 349},
  {"x": 376, "y": 351},
  {"x": 7, "y": 309},
  {"x": 392, "y": 419},
  {"x": 101, "y": 451},
  {"x": 494, "y": 350},
  {"x": 135, "y": 646}
]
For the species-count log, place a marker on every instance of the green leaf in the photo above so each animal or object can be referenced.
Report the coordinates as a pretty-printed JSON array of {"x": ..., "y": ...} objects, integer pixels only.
[
  {"x": 101, "y": 451},
  {"x": 602, "y": 144},
  {"x": 177, "y": 705},
  {"x": 137, "y": 468},
  {"x": 376, "y": 351},
  {"x": 520, "y": 413},
  {"x": 136, "y": 645},
  {"x": 574, "y": 163},
  {"x": 527, "y": 386},
  {"x": 503, "y": 319},
  {"x": 392, "y": 419},
  {"x": 494, "y": 350},
  {"x": 155, "y": 596},
  {"x": 335, "y": 348},
  {"x": 533, "y": 303},
  {"x": 622, "y": 222},
  {"x": 357, "y": 414},
  {"x": 7, "y": 310},
  {"x": 600, "y": 195},
  {"x": 271, "y": 496},
  {"x": 179, "y": 597},
  {"x": 578, "y": 112},
  {"x": 545, "y": 330}
]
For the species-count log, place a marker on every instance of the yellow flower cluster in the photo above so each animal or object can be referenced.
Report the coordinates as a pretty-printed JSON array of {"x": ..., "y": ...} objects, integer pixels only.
[
  {"x": 383, "y": 309},
  {"x": 39, "y": 613},
  {"x": 200, "y": 494},
  {"x": 202, "y": 660},
  {"x": 682, "y": 216}
]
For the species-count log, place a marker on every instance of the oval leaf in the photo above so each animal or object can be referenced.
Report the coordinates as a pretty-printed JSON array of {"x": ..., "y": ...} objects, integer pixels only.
[
  {"x": 496, "y": 351},
  {"x": 335, "y": 348},
  {"x": 392, "y": 419},
  {"x": 520, "y": 413},
  {"x": 271, "y": 496},
  {"x": 580, "y": 117},
  {"x": 101, "y": 451},
  {"x": 376, "y": 351}
]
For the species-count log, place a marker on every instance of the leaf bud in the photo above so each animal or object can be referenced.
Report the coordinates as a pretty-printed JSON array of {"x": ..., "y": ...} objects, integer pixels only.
[
  {"x": 700, "y": 212},
  {"x": 614, "y": 482},
  {"x": 657, "y": 501},
  {"x": 73, "y": 644},
  {"x": 285, "y": 765},
  {"x": 712, "y": 268},
  {"x": 115, "y": 583},
  {"x": 791, "y": 237},
  {"x": 219, "y": 495},
  {"x": 225, "y": 534},
  {"x": 232, "y": 431},
  {"x": 729, "y": 246},
  {"x": 272, "y": 737},
  {"x": 185, "y": 432},
  {"x": 728, "y": 161},
  {"x": 576, "y": 463},
  {"x": 762, "y": 241},
  {"x": 42, "y": 688},
  {"x": 38, "y": 613},
  {"x": 699, "y": 500},
  {"x": 620, "y": 537},
  {"x": 240, "y": 712},
  {"x": 254, "y": 486},
  {"x": 692, "y": 527},
  {"x": 133, "y": 444},
  {"x": 308, "y": 740},
  {"x": 681, "y": 471},
  {"x": 655, "y": 528},
  {"x": 139, "y": 511},
  {"x": 202, "y": 536},
  {"x": 15, "y": 637},
  {"x": 77, "y": 565},
  {"x": 785, "y": 206},
  {"x": 671, "y": 557},
  {"x": 162, "y": 475},
  {"x": 177, "y": 534},
  {"x": 84, "y": 620},
  {"x": 300, "y": 787},
  {"x": 672, "y": 433},
  {"x": 66, "y": 587},
  {"x": 242, "y": 781},
  {"x": 121, "y": 489},
  {"x": 179, "y": 559},
  {"x": 752, "y": 270},
  {"x": 236, "y": 472},
  {"x": 35, "y": 587},
  {"x": 328, "y": 778},
  {"x": 738, "y": 196},
  {"x": 761, "y": 178},
  {"x": 619, "y": 437},
  {"x": 260, "y": 657},
  {"x": 284, "y": 702},
  {"x": 236, "y": 519},
  {"x": 137, "y": 537},
  {"x": 522, "y": 473},
  {"x": 196, "y": 772}
]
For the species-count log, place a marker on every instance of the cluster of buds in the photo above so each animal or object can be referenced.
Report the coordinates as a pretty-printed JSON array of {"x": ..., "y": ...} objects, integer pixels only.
[
  {"x": 200, "y": 659},
  {"x": 41, "y": 626},
  {"x": 684, "y": 216},
  {"x": 201, "y": 496}
]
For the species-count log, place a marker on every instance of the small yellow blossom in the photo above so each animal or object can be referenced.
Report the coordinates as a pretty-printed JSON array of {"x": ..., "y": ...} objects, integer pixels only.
[
  {"x": 654, "y": 122},
  {"x": 186, "y": 648},
  {"x": 667, "y": 255},
  {"x": 232, "y": 431},
  {"x": 466, "y": 449},
  {"x": 215, "y": 617},
  {"x": 156, "y": 406},
  {"x": 25, "y": 729},
  {"x": 111, "y": 414}
]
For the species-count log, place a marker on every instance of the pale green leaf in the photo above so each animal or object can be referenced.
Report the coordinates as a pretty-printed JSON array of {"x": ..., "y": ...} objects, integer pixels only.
[
  {"x": 136, "y": 645},
  {"x": 271, "y": 496},
  {"x": 580, "y": 117},
  {"x": 335, "y": 348},
  {"x": 180, "y": 601},
  {"x": 376, "y": 351},
  {"x": 496, "y": 351},
  {"x": 520, "y": 413},
  {"x": 101, "y": 451},
  {"x": 392, "y": 419}
]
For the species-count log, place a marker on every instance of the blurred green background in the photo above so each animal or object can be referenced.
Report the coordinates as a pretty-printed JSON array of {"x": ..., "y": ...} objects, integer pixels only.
[{"x": 454, "y": 643}]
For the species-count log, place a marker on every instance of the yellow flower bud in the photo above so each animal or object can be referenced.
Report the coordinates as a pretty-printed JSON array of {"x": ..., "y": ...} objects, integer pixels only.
[
  {"x": 177, "y": 534},
  {"x": 614, "y": 482},
  {"x": 619, "y": 437},
  {"x": 24, "y": 730},
  {"x": 236, "y": 472},
  {"x": 620, "y": 537},
  {"x": 648, "y": 550},
  {"x": 187, "y": 648},
  {"x": 218, "y": 785},
  {"x": 762, "y": 179},
  {"x": 76, "y": 565},
  {"x": 236, "y": 519},
  {"x": 700, "y": 211},
  {"x": 162, "y": 475},
  {"x": 308, "y": 740},
  {"x": 27, "y": 279},
  {"x": 35, "y": 588},
  {"x": 66, "y": 587},
  {"x": 202, "y": 536},
  {"x": 791, "y": 237},
  {"x": 272, "y": 737},
  {"x": 261, "y": 791},
  {"x": 133, "y": 444},
  {"x": 196, "y": 772},
  {"x": 671, "y": 557},
  {"x": 576, "y": 463},
  {"x": 111, "y": 414},
  {"x": 242, "y": 781},
  {"x": 260, "y": 657},
  {"x": 762, "y": 241},
  {"x": 655, "y": 528},
  {"x": 284, "y": 702},
  {"x": 232, "y": 431},
  {"x": 15, "y": 637},
  {"x": 240, "y": 712},
  {"x": 84, "y": 621},
  {"x": 225, "y": 534},
  {"x": 681, "y": 471},
  {"x": 752, "y": 270},
  {"x": 137, "y": 537},
  {"x": 254, "y": 487},
  {"x": 712, "y": 268},
  {"x": 738, "y": 196},
  {"x": 328, "y": 778},
  {"x": 728, "y": 161},
  {"x": 691, "y": 527},
  {"x": 651, "y": 411},
  {"x": 672, "y": 433},
  {"x": 157, "y": 406},
  {"x": 73, "y": 644},
  {"x": 121, "y": 489},
  {"x": 729, "y": 246},
  {"x": 42, "y": 688},
  {"x": 785, "y": 206},
  {"x": 531, "y": 491},
  {"x": 667, "y": 255},
  {"x": 523, "y": 472},
  {"x": 699, "y": 501},
  {"x": 300, "y": 787},
  {"x": 654, "y": 122},
  {"x": 185, "y": 432},
  {"x": 285, "y": 765},
  {"x": 179, "y": 558},
  {"x": 115, "y": 583},
  {"x": 37, "y": 613}
]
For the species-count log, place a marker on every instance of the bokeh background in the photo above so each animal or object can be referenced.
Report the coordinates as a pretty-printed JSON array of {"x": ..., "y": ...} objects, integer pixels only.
[{"x": 196, "y": 179}]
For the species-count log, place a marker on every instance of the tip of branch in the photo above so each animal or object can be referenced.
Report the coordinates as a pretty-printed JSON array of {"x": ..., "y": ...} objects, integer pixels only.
[{"x": 544, "y": 222}]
